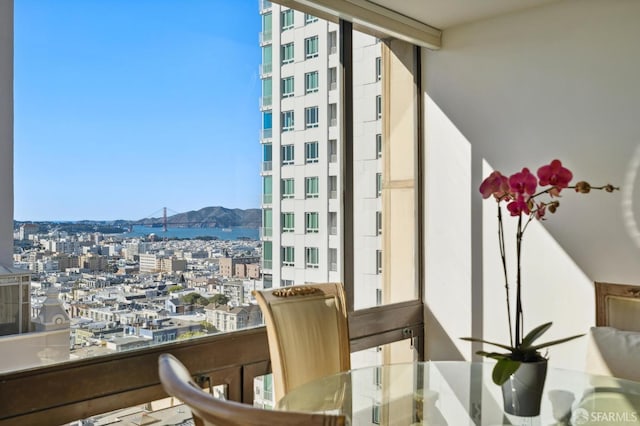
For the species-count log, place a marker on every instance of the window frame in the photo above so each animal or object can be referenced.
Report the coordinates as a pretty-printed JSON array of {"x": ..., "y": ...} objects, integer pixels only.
[
  {"x": 287, "y": 87},
  {"x": 287, "y": 123},
  {"x": 312, "y": 222},
  {"x": 287, "y": 53},
  {"x": 311, "y": 47},
  {"x": 311, "y": 257},
  {"x": 311, "y": 152},
  {"x": 288, "y": 256},
  {"x": 288, "y": 221},
  {"x": 287, "y": 188},
  {"x": 287, "y": 19},
  {"x": 129, "y": 378},
  {"x": 287, "y": 154},
  {"x": 308, "y": 181},
  {"x": 311, "y": 117},
  {"x": 310, "y": 77}
]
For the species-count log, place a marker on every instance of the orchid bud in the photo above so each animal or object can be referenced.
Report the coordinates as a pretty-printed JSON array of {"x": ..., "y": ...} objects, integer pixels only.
[{"x": 583, "y": 187}]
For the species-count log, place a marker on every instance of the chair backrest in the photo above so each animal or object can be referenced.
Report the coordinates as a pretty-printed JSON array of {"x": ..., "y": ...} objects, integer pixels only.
[
  {"x": 209, "y": 411},
  {"x": 308, "y": 333}
]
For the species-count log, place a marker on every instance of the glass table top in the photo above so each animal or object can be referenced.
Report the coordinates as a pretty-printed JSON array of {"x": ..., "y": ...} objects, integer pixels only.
[{"x": 462, "y": 393}]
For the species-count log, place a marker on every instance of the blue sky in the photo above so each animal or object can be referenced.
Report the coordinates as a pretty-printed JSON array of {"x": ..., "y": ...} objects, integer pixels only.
[{"x": 123, "y": 107}]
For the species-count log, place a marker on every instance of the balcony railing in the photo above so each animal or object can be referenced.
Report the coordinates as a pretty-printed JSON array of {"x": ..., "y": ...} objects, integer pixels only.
[
  {"x": 333, "y": 85},
  {"x": 267, "y": 264},
  {"x": 266, "y": 69},
  {"x": 267, "y": 198},
  {"x": 266, "y": 231},
  {"x": 264, "y": 6},
  {"x": 266, "y": 102},
  {"x": 267, "y": 166},
  {"x": 265, "y": 37},
  {"x": 266, "y": 133}
]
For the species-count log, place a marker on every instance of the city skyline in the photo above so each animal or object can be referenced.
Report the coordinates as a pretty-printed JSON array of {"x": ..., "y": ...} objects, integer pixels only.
[{"x": 124, "y": 107}]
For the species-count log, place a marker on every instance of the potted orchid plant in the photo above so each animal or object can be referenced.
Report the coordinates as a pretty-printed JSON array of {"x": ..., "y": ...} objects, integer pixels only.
[{"x": 527, "y": 197}]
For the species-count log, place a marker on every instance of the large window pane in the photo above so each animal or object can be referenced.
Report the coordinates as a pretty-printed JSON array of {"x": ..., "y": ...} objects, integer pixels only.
[{"x": 385, "y": 196}]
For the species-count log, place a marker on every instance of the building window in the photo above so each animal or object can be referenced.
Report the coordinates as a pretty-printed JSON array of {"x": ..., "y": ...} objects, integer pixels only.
[
  {"x": 378, "y": 223},
  {"x": 378, "y": 145},
  {"x": 267, "y": 222},
  {"x": 266, "y": 157},
  {"x": 377, "y": 373},
  {"x": 311, "y": 117},
  {"x": 287, "y": 188},
  {"x": 287, "y": 53},
  {"x": 267, "y": 65},
  {"x": 333, "y": 150},
  {"x": 333, "y": 115},
  {"x": 267, "y": 125},
  {"x": 378, "y": 261},
  {"x": 308, "y": 19},
  {"x": 288, "y": 256},
  {"x": 333, "y": 78},
  {"x": 375, "y": 414},
  {"x": 287, "y": 154},
  {"x": 287, "y": 87},
  {"x": 267, "y": 94},
  {"x": 378, "y": 296},
  {"x": 311, "y": 187},
  {"x": 287, "y": 121},
  {"x": 333, "y": 187},
  {"x": 333, "y": 42},
  {"x": 311, "y": 257},
  {"x": 378, "y": 107},
  {"x": 267, "y": 190},
  {"x": 333, "y": 260},
  {"x": 286, "y": 283},
  {"x": 378, "y": 68},
  {"x": 333, "y": 223},
  {"x": 287, "y": 19},
  {"x": 312, "y": 224},
  {"x": 311, "y": 47},
  {"x": 288, "y": 222},
  {"x": 378, "y": 184},
  {"x": 265, "y": 36},
  {"x": 311, "y": 152},
  {"x": 311, "y": 82}
]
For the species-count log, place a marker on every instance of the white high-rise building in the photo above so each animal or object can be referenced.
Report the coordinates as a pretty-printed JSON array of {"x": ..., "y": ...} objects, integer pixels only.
[{"x": 301, "y": 142}]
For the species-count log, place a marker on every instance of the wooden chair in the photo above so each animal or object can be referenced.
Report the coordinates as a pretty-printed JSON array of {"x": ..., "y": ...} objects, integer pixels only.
[
  {"x": 614, "y": 344},
  {"x": 307, "y": 331},
  {"x": 209, "y": 411}
]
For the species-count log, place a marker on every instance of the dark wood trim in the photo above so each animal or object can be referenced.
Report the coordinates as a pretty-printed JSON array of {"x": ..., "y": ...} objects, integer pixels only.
[
  {"x": 65, "y": 392},
  {"x": 346, "y": 135}
]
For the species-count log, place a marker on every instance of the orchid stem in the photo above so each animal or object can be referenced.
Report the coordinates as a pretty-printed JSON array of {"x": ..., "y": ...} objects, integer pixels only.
[
  {"x": 519, "y": 316},
  {"x": 503, "y": 255}
]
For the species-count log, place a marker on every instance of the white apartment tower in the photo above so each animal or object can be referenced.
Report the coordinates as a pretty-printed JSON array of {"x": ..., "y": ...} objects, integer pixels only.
[{"x": 300, "y": 138}]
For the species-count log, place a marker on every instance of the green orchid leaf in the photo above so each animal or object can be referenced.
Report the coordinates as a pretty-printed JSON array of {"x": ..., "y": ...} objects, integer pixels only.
[
  {"x": 555, "y": 342},
  {"x": 503, "y": 369},
  {"x": 493, "y": 355},
  {"x": 534, "y": 334},
  {"x": 473, "y": 339}
]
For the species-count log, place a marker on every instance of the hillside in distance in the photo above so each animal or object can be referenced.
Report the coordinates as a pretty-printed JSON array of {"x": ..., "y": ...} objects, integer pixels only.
[{"x": 209, "y": 217}]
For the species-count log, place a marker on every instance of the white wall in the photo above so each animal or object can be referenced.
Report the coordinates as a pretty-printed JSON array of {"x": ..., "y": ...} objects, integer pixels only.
[
  {"x": 6, "y": 132},
  {"x": 558, "y": 81}
]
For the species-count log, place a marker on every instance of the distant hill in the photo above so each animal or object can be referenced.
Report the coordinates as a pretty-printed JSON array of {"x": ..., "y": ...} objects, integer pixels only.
[{"x": 209, "y": 217}]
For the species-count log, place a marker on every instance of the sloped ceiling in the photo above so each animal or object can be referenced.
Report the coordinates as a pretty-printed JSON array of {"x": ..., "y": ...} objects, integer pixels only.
[{"x": 444, "y": 14}]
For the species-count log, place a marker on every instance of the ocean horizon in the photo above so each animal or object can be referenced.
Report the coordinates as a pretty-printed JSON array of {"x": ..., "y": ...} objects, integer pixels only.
[{"x": 233, "y": 233}]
